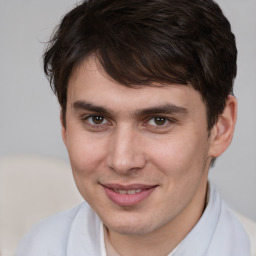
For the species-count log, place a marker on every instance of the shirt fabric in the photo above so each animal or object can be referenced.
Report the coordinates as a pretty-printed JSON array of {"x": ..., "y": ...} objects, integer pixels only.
[
  {"x": 112, "y": 252},
  {"x": 80, "y": 232}
]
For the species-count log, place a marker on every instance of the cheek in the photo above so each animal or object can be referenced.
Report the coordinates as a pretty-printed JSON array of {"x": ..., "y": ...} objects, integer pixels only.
[
  {"x": 183, "y": 166},
  {"x": 86, "y": 158},
  {"x": 86, "y": 155},
  {"x": 180, "y": 156}
]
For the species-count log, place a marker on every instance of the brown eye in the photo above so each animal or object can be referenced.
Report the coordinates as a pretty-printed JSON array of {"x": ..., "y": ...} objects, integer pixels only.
[
  {"x": 159, "y": 120},
  {"x": 96, "y": 120}
]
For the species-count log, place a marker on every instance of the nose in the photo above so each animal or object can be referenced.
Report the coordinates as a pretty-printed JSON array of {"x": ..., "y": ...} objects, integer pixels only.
[{"x": 125, "y": 151}]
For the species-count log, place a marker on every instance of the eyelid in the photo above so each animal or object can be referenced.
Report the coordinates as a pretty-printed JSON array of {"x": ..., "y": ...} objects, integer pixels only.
[
  {"x": 103, "y": 119},
  {"x": 169, "y": 122},
  {"x": 170, "y": 119},
  {"x": 85, "y": 118}
]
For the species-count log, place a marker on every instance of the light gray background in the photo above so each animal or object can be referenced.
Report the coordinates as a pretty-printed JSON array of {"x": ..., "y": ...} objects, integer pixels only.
[{"x": 29, "y": 113}]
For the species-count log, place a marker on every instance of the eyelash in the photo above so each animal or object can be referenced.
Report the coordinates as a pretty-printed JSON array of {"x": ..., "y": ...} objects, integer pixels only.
[
  {"x": 167, "y": 123},
  {"x": 106, "y": 123},
  {"x": 85, "y": 119}
]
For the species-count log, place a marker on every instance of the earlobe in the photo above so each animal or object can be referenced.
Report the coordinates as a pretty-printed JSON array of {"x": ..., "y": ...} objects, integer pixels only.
[
  {"x": 222, "y": 132},
  {"x": 63, "y": 129}
]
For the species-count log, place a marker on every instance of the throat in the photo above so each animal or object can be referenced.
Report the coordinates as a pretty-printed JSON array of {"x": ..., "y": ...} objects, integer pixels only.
[{"x": 119, "y": 245}]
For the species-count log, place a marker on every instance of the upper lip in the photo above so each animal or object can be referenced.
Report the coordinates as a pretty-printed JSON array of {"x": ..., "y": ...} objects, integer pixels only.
[{"x": 128, "y": 187}]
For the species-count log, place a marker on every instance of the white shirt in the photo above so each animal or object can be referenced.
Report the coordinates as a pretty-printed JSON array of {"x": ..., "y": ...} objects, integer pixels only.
[
  {"x": 110, "y": 251},
  {"x": 79, "y": 232}
]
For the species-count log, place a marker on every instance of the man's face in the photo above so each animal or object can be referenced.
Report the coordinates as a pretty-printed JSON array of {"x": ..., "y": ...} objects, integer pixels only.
[{"x": 139, "y": 156}]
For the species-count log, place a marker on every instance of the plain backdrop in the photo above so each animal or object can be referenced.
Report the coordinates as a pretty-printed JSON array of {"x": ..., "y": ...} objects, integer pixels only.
[{"x": 29, "y": 113}]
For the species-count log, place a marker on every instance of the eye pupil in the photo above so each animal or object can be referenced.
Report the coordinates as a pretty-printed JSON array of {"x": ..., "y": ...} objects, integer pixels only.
[
  {"x": 97, "y": 119},
  {"x": 160, "y": 120}
]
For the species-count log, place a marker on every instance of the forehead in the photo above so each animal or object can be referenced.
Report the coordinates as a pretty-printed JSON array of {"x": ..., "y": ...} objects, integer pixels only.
[{"x": 89, "y": 82}]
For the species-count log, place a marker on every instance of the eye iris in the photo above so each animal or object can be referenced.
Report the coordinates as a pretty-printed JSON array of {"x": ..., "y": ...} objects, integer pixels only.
[
  {"x": 98, "y": 119},
  {"x": 160, "y": 120}
]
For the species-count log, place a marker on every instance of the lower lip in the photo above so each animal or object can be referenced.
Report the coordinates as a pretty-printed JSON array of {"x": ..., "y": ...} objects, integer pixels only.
[{"x": 126, "y": 199}]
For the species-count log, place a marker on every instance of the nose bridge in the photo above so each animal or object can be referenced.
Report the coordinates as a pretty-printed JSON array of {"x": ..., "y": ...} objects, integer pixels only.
[{"x": 124, "y": 151}]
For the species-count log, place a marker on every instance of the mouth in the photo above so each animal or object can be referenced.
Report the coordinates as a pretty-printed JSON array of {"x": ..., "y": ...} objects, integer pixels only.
[
  {"x": 128, "y": 192},
  {"x": 130, "y": 195}
]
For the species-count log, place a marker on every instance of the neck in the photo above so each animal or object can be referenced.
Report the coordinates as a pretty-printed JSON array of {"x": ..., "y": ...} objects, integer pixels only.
[{"x": 165, "y": 239}]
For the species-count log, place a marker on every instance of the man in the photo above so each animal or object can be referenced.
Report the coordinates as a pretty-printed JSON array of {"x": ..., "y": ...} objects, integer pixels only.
[{"x": 145, "y": 89}]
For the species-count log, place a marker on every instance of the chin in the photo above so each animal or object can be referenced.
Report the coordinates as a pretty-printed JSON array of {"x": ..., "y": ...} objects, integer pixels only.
[
  {"x": 130, "y": 225},
  {"x": 131, "y": 230}
]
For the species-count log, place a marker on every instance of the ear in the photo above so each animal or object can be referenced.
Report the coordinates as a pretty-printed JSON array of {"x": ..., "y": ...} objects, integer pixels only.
[
  {"x": 222, "y": 132},
  {"x": 63, "y": 128}
]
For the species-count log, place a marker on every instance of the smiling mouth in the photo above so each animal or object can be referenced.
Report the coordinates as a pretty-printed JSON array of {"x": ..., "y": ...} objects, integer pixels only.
[
  {"x": 128, "y": 195},
  {"x": 128, "y": 192}
]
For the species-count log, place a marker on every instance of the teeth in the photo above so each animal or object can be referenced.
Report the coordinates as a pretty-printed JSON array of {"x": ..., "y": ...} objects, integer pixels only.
[{"x": 129, "y": 192}]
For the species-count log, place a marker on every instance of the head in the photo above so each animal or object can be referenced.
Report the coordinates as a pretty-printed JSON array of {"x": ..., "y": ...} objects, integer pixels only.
[
  {"x": 144, "y": 88},
  {"x": 142, "y": 41}
]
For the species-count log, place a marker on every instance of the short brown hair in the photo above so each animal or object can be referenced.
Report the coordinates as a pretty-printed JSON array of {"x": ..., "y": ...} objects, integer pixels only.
[{"x": 139, "y": 42}]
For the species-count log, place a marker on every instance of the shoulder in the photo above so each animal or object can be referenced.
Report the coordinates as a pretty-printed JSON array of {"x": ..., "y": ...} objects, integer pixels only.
[
  {"x": 250, "y": 228},
  {"x": 229, "y": 234},
  {"x": 228, "y": 219},
  {"x": 50, "y": 236}
]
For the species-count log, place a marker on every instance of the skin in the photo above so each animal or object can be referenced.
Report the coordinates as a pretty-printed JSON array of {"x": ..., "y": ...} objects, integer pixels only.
[{"x": 120, "y": 141}]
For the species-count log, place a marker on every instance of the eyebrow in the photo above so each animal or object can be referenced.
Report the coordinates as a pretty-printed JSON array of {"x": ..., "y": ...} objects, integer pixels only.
[
  {"x": 160, "y": 109},
  {"x": 91, "y": 107}
]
